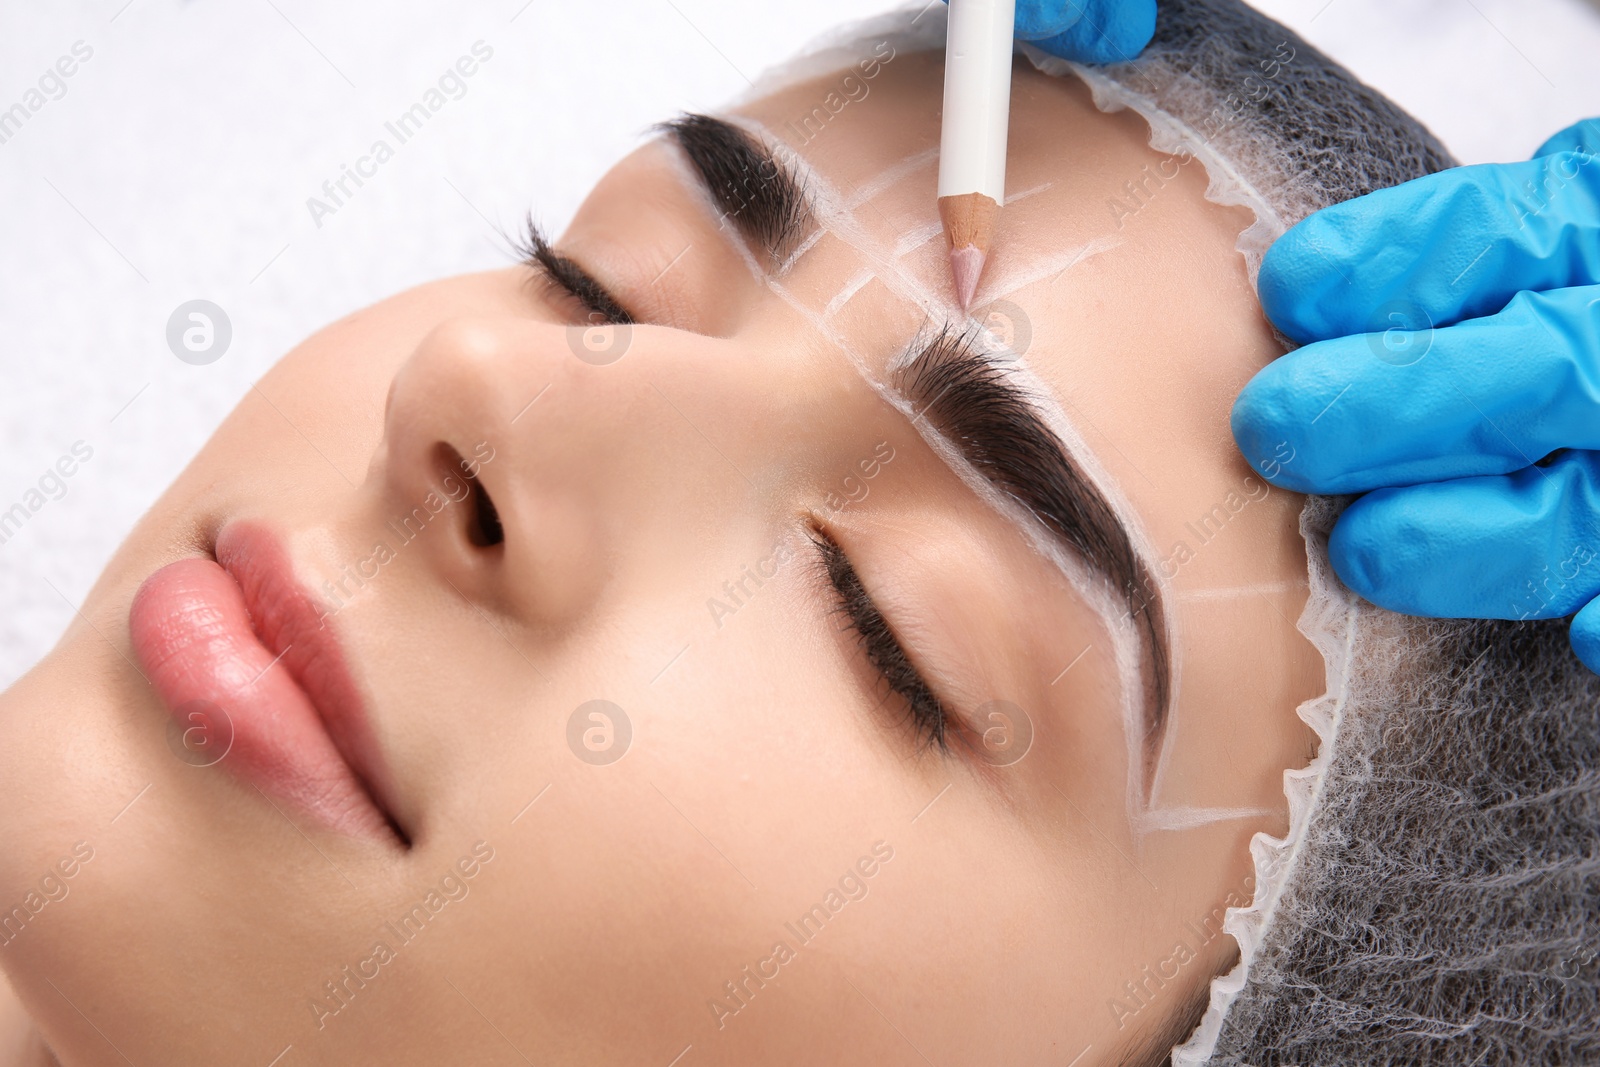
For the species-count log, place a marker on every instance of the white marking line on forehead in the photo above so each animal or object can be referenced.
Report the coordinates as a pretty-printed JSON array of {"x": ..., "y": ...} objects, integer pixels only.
[
  {"x": 1024, "y": 194},
  {"x": 896, "y": 173},
  {"x": 851, "y": 288},
  {"x": 1005, "y": 282},
  {"x": 1187, "y": 818},
  {"x": 914, "y": 239},
  {"x": 1235, "y": 591}
]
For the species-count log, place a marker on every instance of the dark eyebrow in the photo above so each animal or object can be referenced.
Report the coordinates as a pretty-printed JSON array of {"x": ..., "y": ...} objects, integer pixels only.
[
  {"x": 755, "y": 191},
  {"x": 998, "y": 430}
]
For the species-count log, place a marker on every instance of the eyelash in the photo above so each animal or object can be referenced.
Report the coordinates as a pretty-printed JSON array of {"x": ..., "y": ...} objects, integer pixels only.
[
  {"x": 566, "y": 278},
  {"x": 882, "y": 648}
]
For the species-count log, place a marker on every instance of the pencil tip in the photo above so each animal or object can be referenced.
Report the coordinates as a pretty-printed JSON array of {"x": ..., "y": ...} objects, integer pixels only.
[{"x": 966, "y": 263}]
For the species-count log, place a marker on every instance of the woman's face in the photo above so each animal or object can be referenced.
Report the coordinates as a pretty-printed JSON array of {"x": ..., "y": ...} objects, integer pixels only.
[{"x": 727, "y": 521}]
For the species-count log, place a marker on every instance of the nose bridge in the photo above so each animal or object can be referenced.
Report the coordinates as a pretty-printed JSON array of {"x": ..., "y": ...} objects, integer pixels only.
[
  {"x": 591, "y": 443},
  {"x": 577, "y": 403}
]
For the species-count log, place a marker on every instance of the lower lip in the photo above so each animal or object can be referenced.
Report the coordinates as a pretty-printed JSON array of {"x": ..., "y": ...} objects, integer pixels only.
[{"x": 192, "y": 632}]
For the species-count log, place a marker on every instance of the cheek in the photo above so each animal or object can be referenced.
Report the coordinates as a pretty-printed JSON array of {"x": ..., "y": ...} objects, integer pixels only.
[{"x": 757, "y": 766}]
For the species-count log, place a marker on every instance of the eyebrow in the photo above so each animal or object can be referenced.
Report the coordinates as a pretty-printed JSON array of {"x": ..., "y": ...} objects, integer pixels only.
[
  {"x": 757, "y": 193},
  {"x": 996, "y": 427}
]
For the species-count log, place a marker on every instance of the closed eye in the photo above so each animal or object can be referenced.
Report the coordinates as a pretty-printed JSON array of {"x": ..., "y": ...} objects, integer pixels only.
[{"x": 883, "y": 650}]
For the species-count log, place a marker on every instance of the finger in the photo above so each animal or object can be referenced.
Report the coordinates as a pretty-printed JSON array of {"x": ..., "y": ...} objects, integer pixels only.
[
  {"x": 1579, "y": 137},
  {"x": 1585, "y": 635},
  {"x": 1107, "y": 31},
  {"x": 1449, "y": 246},
  {"x": 1486, "y": 396},
  {"x": 1515, "y": 546},
  {"x": 1039, "y": 19}
]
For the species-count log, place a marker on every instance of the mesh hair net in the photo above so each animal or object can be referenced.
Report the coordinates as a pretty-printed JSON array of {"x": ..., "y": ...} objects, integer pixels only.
[
  {"x": 1437, "y": 896},
  {"x": 1281, "y": 128}
]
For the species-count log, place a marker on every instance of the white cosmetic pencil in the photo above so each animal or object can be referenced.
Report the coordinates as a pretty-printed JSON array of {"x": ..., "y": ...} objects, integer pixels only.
[{"x": 972, "y": 137}]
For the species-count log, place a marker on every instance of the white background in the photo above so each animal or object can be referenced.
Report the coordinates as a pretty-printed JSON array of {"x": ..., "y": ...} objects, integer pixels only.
[{"x": 178, "y": 164}]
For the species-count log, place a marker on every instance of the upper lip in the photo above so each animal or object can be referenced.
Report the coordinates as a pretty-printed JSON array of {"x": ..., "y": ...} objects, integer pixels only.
[{"x": 290, "y": 623}]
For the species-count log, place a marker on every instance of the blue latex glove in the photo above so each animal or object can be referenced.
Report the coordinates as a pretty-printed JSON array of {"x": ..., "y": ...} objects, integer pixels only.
[
  {"x": 1088, "y": 31},
  {"x": 1451, "y": 372}
]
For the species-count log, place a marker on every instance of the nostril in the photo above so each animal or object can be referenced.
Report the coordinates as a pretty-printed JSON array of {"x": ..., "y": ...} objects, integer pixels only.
[
  {"x": 483, "y": 518},
  {"x": 484, "y": 529}
]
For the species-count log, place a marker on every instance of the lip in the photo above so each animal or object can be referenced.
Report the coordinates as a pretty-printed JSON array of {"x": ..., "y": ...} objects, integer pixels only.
[{"x": 238, "y": 634}]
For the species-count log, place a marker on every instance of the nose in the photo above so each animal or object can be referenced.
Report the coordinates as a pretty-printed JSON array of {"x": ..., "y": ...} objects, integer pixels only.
[{"x": 470, "y": 483}]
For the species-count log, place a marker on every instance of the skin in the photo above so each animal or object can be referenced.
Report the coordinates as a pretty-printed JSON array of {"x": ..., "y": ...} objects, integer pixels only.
[{"x": 767, "y": 759}]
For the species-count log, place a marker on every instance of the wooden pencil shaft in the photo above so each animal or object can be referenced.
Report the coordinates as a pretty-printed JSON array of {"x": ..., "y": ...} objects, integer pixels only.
[{"x": 968, "y": 220}]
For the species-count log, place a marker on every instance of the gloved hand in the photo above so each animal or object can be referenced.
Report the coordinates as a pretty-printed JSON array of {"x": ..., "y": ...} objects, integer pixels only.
[
  {"x": 1088, "y": 31},
  {"x": 1451, "y": 372}
]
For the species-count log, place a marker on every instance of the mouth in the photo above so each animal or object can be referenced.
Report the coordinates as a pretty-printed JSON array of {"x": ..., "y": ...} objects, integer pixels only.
[{"x": 258, "y": 685}]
